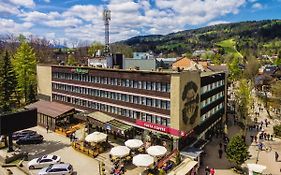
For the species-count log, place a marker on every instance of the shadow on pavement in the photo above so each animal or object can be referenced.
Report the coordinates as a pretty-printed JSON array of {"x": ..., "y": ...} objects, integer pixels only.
[{"x": 47, "y": 147}]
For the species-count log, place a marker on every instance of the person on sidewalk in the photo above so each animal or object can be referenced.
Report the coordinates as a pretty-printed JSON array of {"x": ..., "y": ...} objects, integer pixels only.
[
  {"x": 220, "y": 153},
  {"x": 220, "y": 145},
  {"x": 207, "y": 170},
  {"x": 212, "y": 171},
  {"x": 47, "y": 128},
  {"x": 276, "y": 156}
]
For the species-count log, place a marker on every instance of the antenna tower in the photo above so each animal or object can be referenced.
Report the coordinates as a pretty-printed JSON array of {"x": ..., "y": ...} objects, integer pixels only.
[{"x": 106, "y": 19}]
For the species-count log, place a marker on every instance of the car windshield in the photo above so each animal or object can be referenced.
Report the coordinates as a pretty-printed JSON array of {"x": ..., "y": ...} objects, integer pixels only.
[
  {"x": 49, "y": 168},
  {"x": 54, "y": 157},
  {"x": 38, "y": 160}
]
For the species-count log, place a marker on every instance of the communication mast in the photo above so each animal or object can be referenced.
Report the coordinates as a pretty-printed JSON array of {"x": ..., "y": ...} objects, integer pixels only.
[{"x": 106, "y": 19}]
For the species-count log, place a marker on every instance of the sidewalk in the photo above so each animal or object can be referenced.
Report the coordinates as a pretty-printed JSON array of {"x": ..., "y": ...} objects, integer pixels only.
[{"x": 223, "y": 167}]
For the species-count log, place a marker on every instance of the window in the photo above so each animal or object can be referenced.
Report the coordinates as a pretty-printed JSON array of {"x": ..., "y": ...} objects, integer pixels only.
[
  {"x": 164, "y": 87},
  {"x": 148, "y": 85}
]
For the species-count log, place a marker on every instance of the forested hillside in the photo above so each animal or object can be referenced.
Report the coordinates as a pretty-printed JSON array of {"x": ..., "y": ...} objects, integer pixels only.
[{"x": 250, "y": 38}]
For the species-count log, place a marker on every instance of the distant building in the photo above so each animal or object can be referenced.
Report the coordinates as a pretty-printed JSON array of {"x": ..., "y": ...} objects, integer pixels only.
[
  {"x": 97, "y": 62},
  {"x": 165, "y": 62},
  {"x": 141, "y": 64},
  {"x": 142, "y": 55},
  {"x": 185, "y": 63},
  {"x": 198, "y": 52}
]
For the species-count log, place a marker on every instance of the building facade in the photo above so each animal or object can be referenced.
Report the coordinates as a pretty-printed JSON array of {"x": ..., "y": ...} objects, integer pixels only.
[{"x": 183, "y": 105}]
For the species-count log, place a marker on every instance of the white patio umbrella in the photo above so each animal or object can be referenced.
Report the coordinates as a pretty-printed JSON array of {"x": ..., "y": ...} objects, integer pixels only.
[
  {"x": 255, "y": 168},
  {"x": 96, "y": 137},
  {"x": 133, "y": 143},
  {"x": 120, "y": 151},
  {"x": 143, "y": 160},
  {"x": 156, "y": 151}
]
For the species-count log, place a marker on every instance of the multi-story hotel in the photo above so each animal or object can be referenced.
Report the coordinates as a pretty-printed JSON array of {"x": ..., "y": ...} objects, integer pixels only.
[{"x": 184, "y": 105}]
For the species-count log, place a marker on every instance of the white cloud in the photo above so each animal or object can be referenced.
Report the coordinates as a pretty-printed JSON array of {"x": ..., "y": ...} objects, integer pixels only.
[
  {"x": 67, "y": 22},
  {"x": 24, "y": 3},
  {"x": 129, "y": 17},
  {"x": 257, "y": 6},
  {"x": 10, "y": 26},
  {"x": 217, "y": 22},
  {"x": 85, "y": 12},
  {"x": 8, "y": 8}
]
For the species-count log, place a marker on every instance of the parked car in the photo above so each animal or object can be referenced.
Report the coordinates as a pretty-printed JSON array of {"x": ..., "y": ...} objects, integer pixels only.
[
  {"x": 43, "y": 161},
  {"x": 20, "y": 134},
  {"x": 30, "y": 139},
  {"x": 57, "y": 169}
]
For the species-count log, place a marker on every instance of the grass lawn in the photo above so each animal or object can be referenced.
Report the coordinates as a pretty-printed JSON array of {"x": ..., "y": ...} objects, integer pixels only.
[{"x": 229, "y": 47}]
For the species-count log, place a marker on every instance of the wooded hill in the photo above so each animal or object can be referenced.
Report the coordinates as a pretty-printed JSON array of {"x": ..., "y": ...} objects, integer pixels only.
[{"x": 249, "y": 38}]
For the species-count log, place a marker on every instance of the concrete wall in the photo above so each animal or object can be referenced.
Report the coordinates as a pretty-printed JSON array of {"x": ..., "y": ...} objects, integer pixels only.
[
  {"x": 143, "y": 64},
  {"x": 44, "y": 80},
  {"x": 185, "y": 98}
]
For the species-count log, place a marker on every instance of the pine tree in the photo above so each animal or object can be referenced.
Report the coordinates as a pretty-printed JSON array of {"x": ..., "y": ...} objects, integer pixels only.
[
  {"x": 25, "y": 68},
  {"x": 237, "y": 151},
  {"x": 7, "y": 84}
]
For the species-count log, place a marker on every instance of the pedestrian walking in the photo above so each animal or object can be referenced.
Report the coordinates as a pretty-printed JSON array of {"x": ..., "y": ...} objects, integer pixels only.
[
  {"x": 220, "y": 153},
  {"x": 220, "y": 145},
  {"x": 212, "y": 171},
  {"x": 268, "y": 136},
  {"x": 276, "y": 156},
  {"x": 207, "y": 170},
  {"x": 47, "y": 128},
  {"x": 271, "y": 136}
]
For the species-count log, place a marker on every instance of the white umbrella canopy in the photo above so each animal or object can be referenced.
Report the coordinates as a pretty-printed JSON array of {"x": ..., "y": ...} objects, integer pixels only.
[
  {"x": 96, "y": 137},
  {"x": 133, "y": 143},
  {"x": 143, "y": 160},
  {"x": 256, "y": 168},
  {"x": 120, "y": 151},
  {"x": 156, "y": 151}
]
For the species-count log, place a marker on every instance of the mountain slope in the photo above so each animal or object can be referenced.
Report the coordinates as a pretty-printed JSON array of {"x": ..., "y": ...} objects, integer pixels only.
[{"x": 247, "y": 35}]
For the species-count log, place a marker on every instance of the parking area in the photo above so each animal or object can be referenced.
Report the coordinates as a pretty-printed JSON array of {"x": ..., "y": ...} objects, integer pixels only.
[{"x": 60, "y": 145}]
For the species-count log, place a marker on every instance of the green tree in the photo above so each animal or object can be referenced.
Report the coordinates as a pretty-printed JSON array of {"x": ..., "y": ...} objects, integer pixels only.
[
  {"x": 126, "y": 50},
  {"x": 92, "y": 50},
  {"x": 71, "y": 60},
  {"x": 244, "y": 101},
  {"x": 24, "y": 64},
  {"x": 237, "y": 151},
  {"x": 234, "y": 70},
  {"x": 252, "y": 68},
  {"x": 277, "y": 61},
  {"x": 7, "y": 83}
]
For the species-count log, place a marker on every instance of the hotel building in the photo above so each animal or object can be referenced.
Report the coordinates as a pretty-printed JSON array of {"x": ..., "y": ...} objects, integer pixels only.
[{"x": 184, "y": 105}]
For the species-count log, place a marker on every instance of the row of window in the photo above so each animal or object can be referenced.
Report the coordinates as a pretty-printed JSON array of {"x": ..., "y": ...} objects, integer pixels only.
[
  {"x": 147, "y": 85},
  {"x": 163, "y": 104},
  {"x": 212, "y": 112},
  {"x": 212, "y": 86},
  {"x": 114, "y": 110},
  {"x": 212, "y": 99}
]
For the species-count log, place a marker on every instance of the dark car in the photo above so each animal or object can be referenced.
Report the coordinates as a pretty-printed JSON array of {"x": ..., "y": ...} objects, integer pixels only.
[
  {"x": 23, "y": 133},
  {"x": 30, "y": 139}
]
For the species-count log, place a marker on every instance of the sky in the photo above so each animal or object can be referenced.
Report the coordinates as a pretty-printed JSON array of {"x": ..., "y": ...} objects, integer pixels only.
[{"x": 81, "y": 20}]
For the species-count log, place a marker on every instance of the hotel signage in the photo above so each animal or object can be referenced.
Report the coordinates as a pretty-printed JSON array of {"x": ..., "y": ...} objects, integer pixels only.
[
  {"x": 80, "y": 71},
  {"x": 161, "y": 128}
]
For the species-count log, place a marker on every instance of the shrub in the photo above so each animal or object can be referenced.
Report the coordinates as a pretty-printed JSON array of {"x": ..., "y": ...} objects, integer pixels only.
[{"x": 277, "y": 130}]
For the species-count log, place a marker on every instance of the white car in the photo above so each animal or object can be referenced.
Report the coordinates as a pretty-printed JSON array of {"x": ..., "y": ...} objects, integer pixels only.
[
  {"x": 57, "y": 169},
  {"x": 43, "y": 161}
]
